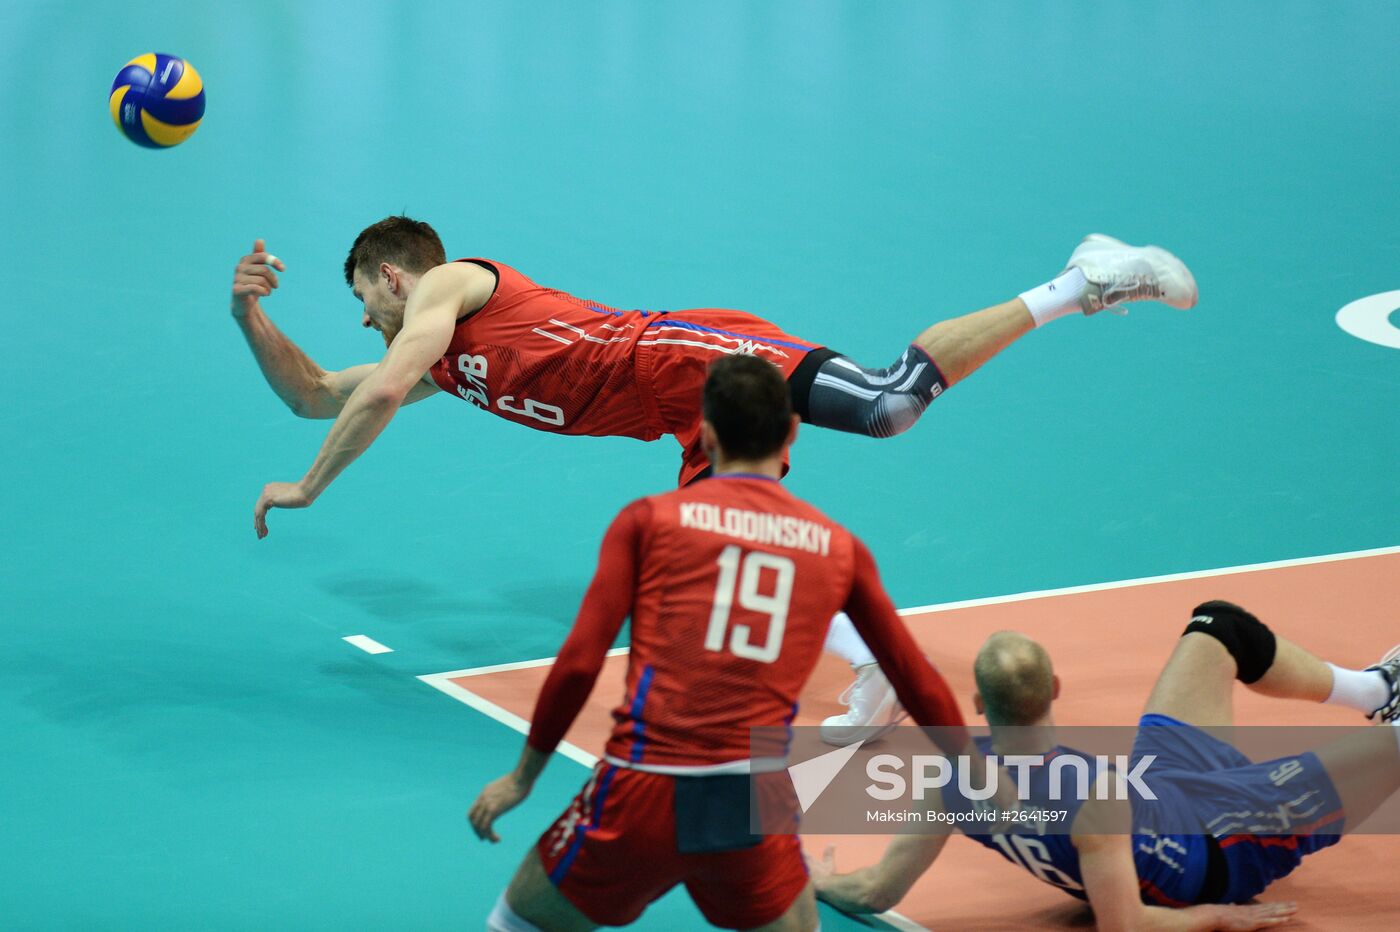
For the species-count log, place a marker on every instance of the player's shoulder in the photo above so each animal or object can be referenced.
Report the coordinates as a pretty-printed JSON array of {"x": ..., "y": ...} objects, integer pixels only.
[
  {"x": 639, "y": 514},
  {"x": 455, "y": 276},
  {"x": 667, "y": 501},
  {"x": 466, "y": 281},
  {"x": 640, "y": 506},
  {"x": 798, "y": 505},
  {"x": 505, "y": 275}
]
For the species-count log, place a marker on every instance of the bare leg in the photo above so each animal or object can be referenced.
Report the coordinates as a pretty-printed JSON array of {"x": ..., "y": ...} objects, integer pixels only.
[
  {"x": 536, "y": 900},
  {"x": 1365, "y": 769},
  {"x": 1196, "y": 684},
  {"x": 801, "y": 916},
  {"x": 1295, "y": 674},
  {"x": 960, "y": 346}
]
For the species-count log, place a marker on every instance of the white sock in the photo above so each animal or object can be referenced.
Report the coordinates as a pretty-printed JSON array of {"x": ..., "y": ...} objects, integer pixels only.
[
  {"x": 1362, "y": 690},
  {"x": 844, "y": 641},
  {"x": 1056, "y": 298},
  {"x": 505, "y": 919}
]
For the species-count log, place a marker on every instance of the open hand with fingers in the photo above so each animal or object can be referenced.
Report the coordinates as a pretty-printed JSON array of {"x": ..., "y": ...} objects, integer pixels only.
[{"x": 254, "y": 277}]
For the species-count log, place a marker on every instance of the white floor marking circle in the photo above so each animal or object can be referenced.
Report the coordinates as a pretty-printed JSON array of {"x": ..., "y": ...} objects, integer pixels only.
[{"x": 1369, "y": 319}]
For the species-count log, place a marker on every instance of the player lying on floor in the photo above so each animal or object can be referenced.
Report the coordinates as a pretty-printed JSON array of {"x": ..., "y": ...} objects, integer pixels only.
[
  {"x": 1259, "y": 820},
  {"x": 726, "y": 629}
]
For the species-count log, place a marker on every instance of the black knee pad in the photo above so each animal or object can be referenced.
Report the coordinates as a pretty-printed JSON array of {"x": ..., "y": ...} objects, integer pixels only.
[{"x": 1247, "y": 638}]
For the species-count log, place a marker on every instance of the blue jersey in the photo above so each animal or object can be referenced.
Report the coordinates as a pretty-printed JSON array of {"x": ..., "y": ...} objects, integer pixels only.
[{"x": 1171, "y": 867}]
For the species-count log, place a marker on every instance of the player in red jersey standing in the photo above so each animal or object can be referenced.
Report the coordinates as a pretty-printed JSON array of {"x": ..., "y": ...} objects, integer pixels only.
[
  {"x": 730, "y": 583},
  {"x": 478, "y": 329}
]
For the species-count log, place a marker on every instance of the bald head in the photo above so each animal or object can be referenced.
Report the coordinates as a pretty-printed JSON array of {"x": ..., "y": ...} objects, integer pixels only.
[{"x": 1014, "y": 678}]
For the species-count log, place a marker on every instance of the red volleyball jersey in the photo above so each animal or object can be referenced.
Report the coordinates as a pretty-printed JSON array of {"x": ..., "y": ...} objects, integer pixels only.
[
  {"x": 548, "y": 360},
  {"x": 731, "y": 584},
  {"x": 545, "y": 359}
]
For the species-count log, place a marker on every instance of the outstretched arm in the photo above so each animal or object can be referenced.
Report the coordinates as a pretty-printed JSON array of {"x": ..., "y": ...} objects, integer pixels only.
[
  {"x": 307, "y": 389},
  {"x": 606, "y": 605},
  {"x": 429, "y": 320}
]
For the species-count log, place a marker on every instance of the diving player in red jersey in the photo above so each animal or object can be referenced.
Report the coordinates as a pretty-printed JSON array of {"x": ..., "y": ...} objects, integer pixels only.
[
  {"x": 484, "y": 332},
  {"x": 730, "y": 583},
  {"x": 478, "y": 329}
]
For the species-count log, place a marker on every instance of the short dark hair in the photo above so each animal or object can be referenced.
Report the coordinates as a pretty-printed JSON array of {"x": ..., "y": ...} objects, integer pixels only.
[
  {"x": 410, "y": 244},
  {"x": 1015, "y": 679},
  {"x": 747, "y": 402}
]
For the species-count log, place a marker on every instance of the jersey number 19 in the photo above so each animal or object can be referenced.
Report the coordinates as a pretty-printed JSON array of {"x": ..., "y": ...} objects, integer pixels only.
[{"x": 740, "y": 574}]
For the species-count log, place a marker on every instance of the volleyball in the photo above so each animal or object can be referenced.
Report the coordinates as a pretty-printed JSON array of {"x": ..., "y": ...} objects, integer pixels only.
[{"x": 157, "y": 100}]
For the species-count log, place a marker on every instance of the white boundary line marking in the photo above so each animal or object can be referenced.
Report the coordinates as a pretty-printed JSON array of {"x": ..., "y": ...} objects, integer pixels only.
[
  {"x": 1148, "y": 580},
  {"x": 367, "y": 644},
  {"x": 903, "y": 923},
  {"x": 443, "y": 682},
  {"x": 1000, "y": 599},
  {"x": 503, "y": 667},
  {"x": 446, "y": 683}
]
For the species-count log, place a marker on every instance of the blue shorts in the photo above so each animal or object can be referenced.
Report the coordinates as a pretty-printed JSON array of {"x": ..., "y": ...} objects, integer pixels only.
[{"x": 1265, "y": 816}]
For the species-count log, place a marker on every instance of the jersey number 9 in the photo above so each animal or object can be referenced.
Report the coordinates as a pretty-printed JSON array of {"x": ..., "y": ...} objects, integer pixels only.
[{"x": 741, "y": 573}]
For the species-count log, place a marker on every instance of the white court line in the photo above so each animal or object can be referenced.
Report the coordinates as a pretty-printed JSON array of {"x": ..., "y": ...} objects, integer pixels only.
[
  {"x": 367, "y": 644},
  {"x": 903, "y": 923},
  {"x": 444, "y": 681},
  {"x": 1149, "y": 580},
  {"x": 1013, "y": 597},
  {"x": 517, "y": 665}
]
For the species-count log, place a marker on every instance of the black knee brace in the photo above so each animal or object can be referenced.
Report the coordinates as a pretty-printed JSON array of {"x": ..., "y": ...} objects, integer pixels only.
[
  {"x": 829, "y": 390},
  {"x": 1247, "y": 638}
]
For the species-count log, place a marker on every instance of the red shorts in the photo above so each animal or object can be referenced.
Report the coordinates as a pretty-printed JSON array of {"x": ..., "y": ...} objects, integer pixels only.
[
  {"x": 613, "y": 852},
  {"x": 674, "y": 355}
]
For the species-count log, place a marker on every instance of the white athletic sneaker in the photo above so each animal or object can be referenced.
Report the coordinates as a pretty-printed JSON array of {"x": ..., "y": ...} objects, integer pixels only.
[
  {"x": 1389, "y": 667},
  {"x": 1119, "y": 273},
  {"x": 873, "y": 709}
]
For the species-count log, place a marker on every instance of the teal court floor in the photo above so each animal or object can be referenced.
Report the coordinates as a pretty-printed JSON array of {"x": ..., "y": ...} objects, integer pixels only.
[{"x": 188, "y": 740}]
